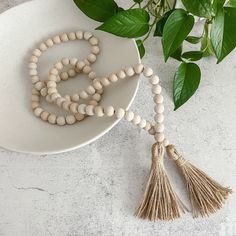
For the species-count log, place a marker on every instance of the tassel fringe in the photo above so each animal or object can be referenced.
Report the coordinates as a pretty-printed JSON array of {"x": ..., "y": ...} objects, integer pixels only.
[
  {"x": 159, "y": 200},
  {"x": 205, "y": 194}
]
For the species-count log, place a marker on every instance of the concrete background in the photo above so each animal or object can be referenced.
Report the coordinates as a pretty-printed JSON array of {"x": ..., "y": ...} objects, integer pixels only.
[{"x": 95, "y": 190}]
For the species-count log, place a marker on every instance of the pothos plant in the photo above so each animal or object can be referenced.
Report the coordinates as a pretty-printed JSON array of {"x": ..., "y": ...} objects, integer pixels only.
[{"x": 161, "y": 18}]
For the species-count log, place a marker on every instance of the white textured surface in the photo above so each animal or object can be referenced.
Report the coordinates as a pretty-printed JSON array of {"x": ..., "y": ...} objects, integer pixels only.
[{"x": 94, "y": 190}]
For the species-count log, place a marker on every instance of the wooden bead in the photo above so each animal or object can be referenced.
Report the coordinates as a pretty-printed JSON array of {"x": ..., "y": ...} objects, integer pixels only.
[
  {"x": 95, "y": 50},
  {"x": 129, "y": 71},
  {"x": 99, "y": 111},
  {"x": 92, "y": 75},
  {"x": 142, "y": 123},
  {"x": 35, "y": 92},
  {"x": 64, "y": 38},
  {"x": 55, "y": 96},
  {"x": 92, "y": 58},
  {"x": 74, "y": 107},
  {"x": 81, "y": 109},
  {"x": 71, "y": 73},
  {"x": 44, "y": 92},
  {"x": 87, "y": 69},
  {"x": 89, "y": 110},
  {"x": 105, "y": 81},
  {"x": 120, "y": 113},
  {"x": 79, "y": 34},
  {"x": 32, "y": 65},
  {"x": 57, "y": 39},
  {"x": 136, "y": 120},
  {"x": 159, "y": 137},
  {"x": 65, "y": 61},
  {"x": 34, "y": 79},
  {"x": 129, "y": 115},
  {"x": 66, "y": 105},
  {"x": 49, "y": 43},
  {"x": 43, "y": 47},
  {"x": 54, "y": 71},
  {"x": 159, "y": 128},
  {"x": 48, "y": 98},
  {"x": 34, "y": 105},
  {"x": 151, "y": 131},
  {"x": 52, "y": 90},
  {"x": 139, "y": 69},
  {"x": 39, "y": 85},
  {"x": 34, "y": 59},
  {"x": 166, "y": 142},
  {"x": 38, "y": 111},
  {"x": 64, "y": 76},
  {"x": 154, "y": 79},
  {"x": 37, "y": 53},
  {"x": 109, "y": 111},
  {"x": 148, "y": 126},
  {"x": 147, "y": 72},
  {"x": 87, "y": 35},
  {"x": 159, "y": 118},
  {"x": 70, "y": 119},
  {"x": 52, "y": 119},
  {"x": 80, "y": 65},
  {"x": 90, "y": 90},
  {"x": 53, "y": 78},
  {"x": 158, "y": 99},
  {"x": 100, "y": 91},
  {"x": 51, "y": 84},
  {"x": 79, "y": 116},
  {"x": 97, "y": 97},
  {"x": 84, "y": 95},
  {"x": 121, "y": 74},
  {"x": 156, "y": 89},
  {"x": 113, "y": 78},
  {"x": 44, "y": 115},
  {"x": 87, "y": 63},
  {"x": 75, "y": 97},
  {"x": 97, "y": 85},
  {"x": 61, "y": 120},
  {"x": 159, "y": 108},
  {"x": 59, "y": 101},
  {"x": 67, "y": 97},
  {"x": 72, "y": 36},
  {"x": 93, "y": 41},
  {"x": 59, "y": 66},
  {"x": 93, "y": 102},
  {"x": 73, "y": 61},
  {"x": 33, "y": 72}
]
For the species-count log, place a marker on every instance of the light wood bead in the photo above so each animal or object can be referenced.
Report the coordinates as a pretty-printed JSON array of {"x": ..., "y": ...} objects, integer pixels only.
[
  {"x": 44, "y": 115},
  {"x": 43, "y": 47},
  {"x": 105, "y": 81},
  {"x": 79, "y": 116},
  {"x": 73, "y": 61},
  {"x": 64, "y": 76},
  {"x": 79, "y": 34},
  {"x": 67, "y": 97},
  {"x": 109, "y": 111},
  {"x": 39, "y": 85},
  {"x": 100, "y": 91},
  {"x": 158, "y": 99},
  {"x": 113, "y": 78},
  {"x": 49, "y": 43},
  {"x": 66, "y": 105},
  {"x": 53, "y": 78},
  {"x": 61, "y": 120},
  {"x": 52, "y": 119},
  {"x": 151, "y": 131},
  {"x": 80, "y": 65},
  {"x": 55, "y": 96},
  {"x": 72, "y": 36},
  {"x": 156, "y": 89},
  {"x": 72, "y": 73},
  {"x": 32, "y": 65},
  {"x": 38, "y": 111},
  {"x": 154, "y": 79},
  {"x": 121, "y": 74},
  {"x": 75, "y": 97},
  {"x": 129, "y": 115},
  {"x": 54, "y": 71},
  {"x": 35, "y": 92},
  {"x": 97, "y": 85},
  {"x": 159, "y": 108},
  {"x": 59, "y": 66},
  {"x": 148, "y": 126},
  {"x": 142, "y": 123},
  {"x": 92, "y": 58},
  {"x": 159, "y": 128},
  {"x": 87, "y": 69},
  {"x": 129, "y": 71},
  {"x": 93, "y": 41},
  {"x": 166, "y": 142},
  {"x": 34, "y": 79},
  {"x": 136, "y": 120},
  {"x": 95, "y": 50},
  {"x": 44, "y": 92},
  {"x": 92, "y": 75},
  {"x": 93, "y": 102},
  {"x": 52, "y": 90},
  {"x": 90, "y": 90},
  {"x": 99, "y": 111},
  {"x": 87, "y": 35},
  {"x": 37, "y": 52},
  {"x": 97, "y": 97},
  {"x": 81, "y": 109},
  {"x": 65, "y": 61},
  {"x": 138, "y": 68},
  {"x": 159, "y": 137},
  {"x": 89, "y": 110},
  {"x": 57, "y": 39},
  {"x": 84, "y": 95},
  {"x": 120, "y": 113},
  {"x": 159, "y": 118},
  {"x": 33, "y": 72},
  {"x": 87, "y": 63},
  {"x": 147, "y": 72},
  {"x": 74, "y": 107},
  {"x": 34, "y": 59},
  {"x": 64, "y": 38},
  {"x": 59, "y": 101},
  {"x": 51, "y": 84},
  {"x": 34, "y": 105},
  {"x": 70, "y": 119},
  {"x": 48, "y": 98}
]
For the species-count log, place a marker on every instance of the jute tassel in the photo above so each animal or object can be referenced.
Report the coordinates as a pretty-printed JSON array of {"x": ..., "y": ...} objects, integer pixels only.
[
  {"x": 205, "y": 194},
  {"x": 159, "y": 201}
]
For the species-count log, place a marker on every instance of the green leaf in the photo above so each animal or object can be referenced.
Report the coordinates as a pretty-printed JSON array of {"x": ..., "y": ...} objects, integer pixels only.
[
  {"x": 141, "y": 48},
  {"x": 186, "y": 82},
  {"x": 223, "y": 32},
  {"x": 192, "y": 55},
  {"x": 132, "y": 23},
  {"x": 193, "y": 39},
  {"x": 97, "y": 10},
  {"x": 176, "y": 29},
  {"x": 202, "y": 8},
  {"x": 177, "y": 54},
  {"x": 231, "y": 3},
  {"x": 161, "y": 23}
]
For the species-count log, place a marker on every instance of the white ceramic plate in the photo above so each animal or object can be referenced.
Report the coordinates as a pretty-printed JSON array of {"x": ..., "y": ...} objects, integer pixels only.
[{"x": 21, "y": 29}]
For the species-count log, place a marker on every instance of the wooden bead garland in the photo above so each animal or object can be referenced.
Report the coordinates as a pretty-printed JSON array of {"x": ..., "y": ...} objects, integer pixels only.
[{"x": 159, "y": 202}]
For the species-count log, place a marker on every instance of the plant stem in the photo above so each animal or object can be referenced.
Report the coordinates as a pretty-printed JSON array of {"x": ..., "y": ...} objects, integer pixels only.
[
  {"x": 150, "y": 30},
  {"x": 133, "y": 5}
]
